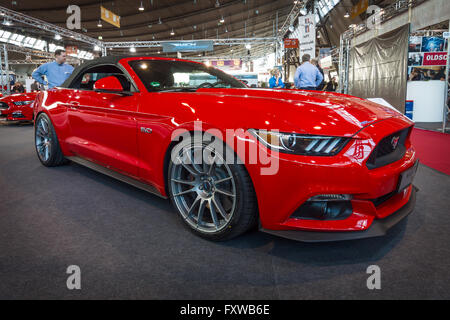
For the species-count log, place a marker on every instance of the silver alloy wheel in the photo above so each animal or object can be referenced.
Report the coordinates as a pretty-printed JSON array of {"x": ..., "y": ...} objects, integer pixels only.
[
  {"x": 203, "y": 191},
  {"x": 43, "y": 139}
]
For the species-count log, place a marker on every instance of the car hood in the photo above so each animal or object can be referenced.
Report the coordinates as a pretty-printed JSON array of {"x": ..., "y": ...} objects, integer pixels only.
[{"x": 308, "y": 112}]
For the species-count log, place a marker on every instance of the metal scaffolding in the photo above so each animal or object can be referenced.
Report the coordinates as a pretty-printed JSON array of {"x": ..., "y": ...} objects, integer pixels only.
[
  {"x": 4, "y": 71},
  {"x": 344, "y": 61},
  {"x": 40, "y": 24},
  {"x": 396, "y": 8},
  {"x": 293, "y": 15},
  {"x": 217, "y": 42}
]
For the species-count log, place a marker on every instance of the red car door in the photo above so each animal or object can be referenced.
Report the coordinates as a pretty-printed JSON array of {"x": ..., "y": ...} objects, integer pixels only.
[{"x": 103, "y": 129}]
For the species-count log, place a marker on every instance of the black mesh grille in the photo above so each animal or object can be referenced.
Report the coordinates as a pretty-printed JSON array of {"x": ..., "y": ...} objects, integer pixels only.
[
  {"x": 3, "y": 106},
  {"x": 389, "y": 149}
]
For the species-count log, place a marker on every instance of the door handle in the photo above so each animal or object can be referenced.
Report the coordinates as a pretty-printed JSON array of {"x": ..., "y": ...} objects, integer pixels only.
[{"x": 74, "y": 105}]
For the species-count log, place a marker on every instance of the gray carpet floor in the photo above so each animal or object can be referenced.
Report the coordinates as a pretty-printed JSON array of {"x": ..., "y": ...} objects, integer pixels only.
[{"x": 131, "y": 245}]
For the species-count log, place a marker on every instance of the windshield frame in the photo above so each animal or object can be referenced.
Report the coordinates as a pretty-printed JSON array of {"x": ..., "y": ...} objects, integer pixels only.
[{"x": 234, "y": 83}]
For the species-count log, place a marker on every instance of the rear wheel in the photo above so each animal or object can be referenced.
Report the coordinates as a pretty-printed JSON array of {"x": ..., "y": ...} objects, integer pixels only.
[
  {"x": 46, "y": 142},
  {"x": 215, "y": 199}
]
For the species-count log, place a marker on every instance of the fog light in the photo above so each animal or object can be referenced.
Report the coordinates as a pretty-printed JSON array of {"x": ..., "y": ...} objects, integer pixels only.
[{"x": 324, "y": 210}]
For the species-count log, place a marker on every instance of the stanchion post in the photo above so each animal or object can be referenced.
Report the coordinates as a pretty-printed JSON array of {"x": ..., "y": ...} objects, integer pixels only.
[
  {"x": 444, "y": 120},
  {"x": 1, "y": 73},
  {"x": 8, "y": 84}
]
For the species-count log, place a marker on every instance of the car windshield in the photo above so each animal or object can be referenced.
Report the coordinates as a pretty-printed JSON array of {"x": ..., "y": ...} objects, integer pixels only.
[{"x": 162, "y": 75}]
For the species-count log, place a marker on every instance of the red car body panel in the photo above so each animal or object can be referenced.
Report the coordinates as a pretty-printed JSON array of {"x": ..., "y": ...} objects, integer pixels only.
[
  {"x": 13, "y": 112},
  {"x": 105, "y": 128}
]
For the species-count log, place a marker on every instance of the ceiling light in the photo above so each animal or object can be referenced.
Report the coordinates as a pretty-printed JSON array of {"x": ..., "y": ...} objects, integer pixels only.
[
  {"x": 346, "y": 15},
  {"x": 222, "y": 20},
  {"x": 141, "y": 8},
  {"x": 99, "y": 24},
  {"x": 100, "y": 38},
  {"x": 7, "y": 23},
  {"x": 172, "y": 33},
  {"x": 217, "y": 4},
  {"x": 159, "y": 20},
  {"x": 248, "y": 46},
  {"x": 303, "y": 11},
  {"x": 132, "y": 49},
  {"x": 57, "y": 37},
  {"x": 96, "y": 48}
]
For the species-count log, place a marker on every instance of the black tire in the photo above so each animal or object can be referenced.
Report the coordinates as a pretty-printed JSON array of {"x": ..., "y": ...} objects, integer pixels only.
[
  {"x": 43, "y": 132},
  {"x": 245, "y": 213}
]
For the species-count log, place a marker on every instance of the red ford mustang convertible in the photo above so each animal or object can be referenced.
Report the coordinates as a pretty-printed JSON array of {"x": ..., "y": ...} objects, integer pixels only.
[
  {"x": 17, "y": 107},
  {"x": 304, "y": 165}
]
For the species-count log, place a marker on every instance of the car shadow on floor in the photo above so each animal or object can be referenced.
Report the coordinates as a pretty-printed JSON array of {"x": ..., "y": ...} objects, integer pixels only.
[
  {"x": 314, "y": 254},
  {"x": 16, "y": 123},
  {"x": 322, "y": 253}
]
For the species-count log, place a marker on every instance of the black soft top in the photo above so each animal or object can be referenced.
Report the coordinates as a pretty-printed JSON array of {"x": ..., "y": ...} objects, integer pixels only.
[{"x": 96, "y": 62}]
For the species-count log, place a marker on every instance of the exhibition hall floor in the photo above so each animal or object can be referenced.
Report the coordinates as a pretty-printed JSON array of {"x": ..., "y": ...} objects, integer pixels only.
[{"x": 131, "y": 245}]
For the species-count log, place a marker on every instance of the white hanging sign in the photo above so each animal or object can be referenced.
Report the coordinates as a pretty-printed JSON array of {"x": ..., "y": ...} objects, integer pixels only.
[{"x": 307, "y": 27}]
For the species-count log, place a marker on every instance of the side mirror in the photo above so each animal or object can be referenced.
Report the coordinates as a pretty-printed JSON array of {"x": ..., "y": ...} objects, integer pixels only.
[{"x": 108, "y": 84}]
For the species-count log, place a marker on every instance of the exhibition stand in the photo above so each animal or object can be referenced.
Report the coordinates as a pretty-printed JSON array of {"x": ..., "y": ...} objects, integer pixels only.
[{"x": 428, "y": 99}]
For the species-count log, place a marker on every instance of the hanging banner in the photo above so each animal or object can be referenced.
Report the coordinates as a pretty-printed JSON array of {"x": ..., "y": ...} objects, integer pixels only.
[
  {"x": 359, "y": 8},
  {"x": 290, "y": 43},
  {"x": 235, "y": 64},
  {"x": 109, "y": 17},
  {"x": 307, "y": 27},
  {"x": 188, "y": 46}
]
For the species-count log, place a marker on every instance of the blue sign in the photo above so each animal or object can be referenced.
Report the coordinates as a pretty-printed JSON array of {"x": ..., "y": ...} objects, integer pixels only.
[{"x": 188, "y": 46}]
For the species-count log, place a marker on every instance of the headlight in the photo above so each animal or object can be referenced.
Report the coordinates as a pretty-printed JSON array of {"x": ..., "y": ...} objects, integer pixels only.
[
  {"x": 23, "y": 103},
  {"x": 301, "y": 144}
]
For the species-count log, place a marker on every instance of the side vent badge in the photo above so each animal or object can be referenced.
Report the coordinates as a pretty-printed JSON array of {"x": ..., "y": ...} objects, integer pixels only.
[{"x": 146, "y": 130}]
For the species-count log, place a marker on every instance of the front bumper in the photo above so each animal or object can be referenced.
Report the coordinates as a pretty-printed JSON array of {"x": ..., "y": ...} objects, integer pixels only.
[
  {"x": 299, "y": 178},
  {"x": 378, "y": 228},
  {"x": 17, "y": 113}
]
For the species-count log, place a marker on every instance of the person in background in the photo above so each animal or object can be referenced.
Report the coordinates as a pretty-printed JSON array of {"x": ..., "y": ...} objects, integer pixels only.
[
  {"x": 56, "y": 72},
  {"x": 316, "y": 63},
  {"x": 331, "y": 85},
  {"x": 307, "y": 76},
  {"x": 276, "y": 81},
  {"x": 97, "y": 54},
  {"x": 35, "y": 86},
  {"x": 415, "y": 75},
  {"x": 18, "y": 88}
]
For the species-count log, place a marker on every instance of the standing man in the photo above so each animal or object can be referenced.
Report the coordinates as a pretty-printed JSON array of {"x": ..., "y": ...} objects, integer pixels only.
[
  {"x": 315, "y": 62},
  {"x": 307, "y": 76},
  {"x": 56, "y": 72}
]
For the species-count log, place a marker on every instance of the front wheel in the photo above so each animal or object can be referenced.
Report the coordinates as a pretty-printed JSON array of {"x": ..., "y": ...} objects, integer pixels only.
[
  {"x": 46, "y": 142},
  {"x": 215, "y": 199}
]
